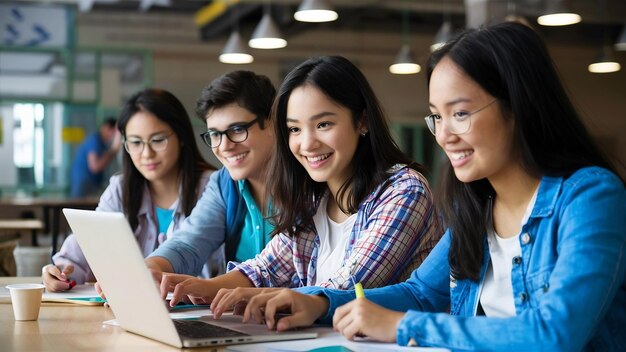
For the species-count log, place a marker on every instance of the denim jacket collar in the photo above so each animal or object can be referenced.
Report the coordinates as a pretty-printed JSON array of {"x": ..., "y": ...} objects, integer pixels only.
[{"x": 547, "y": 196}]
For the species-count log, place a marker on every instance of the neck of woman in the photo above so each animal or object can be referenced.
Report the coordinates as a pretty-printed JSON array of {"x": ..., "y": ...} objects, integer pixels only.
[
  {"x": 513, "y": 196},
  {"x": 164, "y": 192},
  {"x": 333, "y": 209},
  {"x": 516, "y": 188}
]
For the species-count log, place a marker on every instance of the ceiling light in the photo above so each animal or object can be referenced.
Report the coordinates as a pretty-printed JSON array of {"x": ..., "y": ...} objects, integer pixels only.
[
  {"x": 604, "y": 63},
  {"x": 315, "y": 11},
  {"x": 557, "y": 14},
  {"x": 443, "y": 35},
  {"x": 266, "y": 35},
  {"x": 235, "y": 51},
  {"x": 404, "y": 63},
  {"x": 621, "y": 42}
]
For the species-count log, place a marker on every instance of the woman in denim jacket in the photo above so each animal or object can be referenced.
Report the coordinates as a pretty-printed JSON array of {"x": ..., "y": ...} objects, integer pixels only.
[
  {"x": 162, "y": 178},
  {"x": 534, "y": 257}
]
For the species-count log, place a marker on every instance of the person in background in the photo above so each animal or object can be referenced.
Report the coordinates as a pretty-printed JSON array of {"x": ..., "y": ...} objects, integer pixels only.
[
  {"x": 163, "y": 175},
  {"x": 93, "y": 156},
  {"x": 232, "y": 210},
  {"x": 533, "y": 258},
  {"x": 347, "y": 203}
]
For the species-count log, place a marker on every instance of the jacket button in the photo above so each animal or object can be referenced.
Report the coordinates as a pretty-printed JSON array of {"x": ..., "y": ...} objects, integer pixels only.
[
  {"x": 523, "y": 296},
  {"x": 525, "y": 238},
  {"x": 517, "y": 260}
]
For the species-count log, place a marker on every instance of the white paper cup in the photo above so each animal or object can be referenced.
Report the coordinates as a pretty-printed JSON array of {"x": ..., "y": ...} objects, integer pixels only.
[{"x": 26, "y": 300}]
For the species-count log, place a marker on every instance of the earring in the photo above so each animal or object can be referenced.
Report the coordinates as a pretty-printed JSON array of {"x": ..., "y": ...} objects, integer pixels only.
[{"x": 363, "y": 133}]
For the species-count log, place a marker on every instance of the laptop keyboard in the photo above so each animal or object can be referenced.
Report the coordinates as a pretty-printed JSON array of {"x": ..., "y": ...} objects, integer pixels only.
[{"x": 199, "y": 330}]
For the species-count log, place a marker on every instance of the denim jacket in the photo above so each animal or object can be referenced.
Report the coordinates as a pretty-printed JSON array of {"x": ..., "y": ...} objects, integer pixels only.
[{"x": 569, "y": 283}]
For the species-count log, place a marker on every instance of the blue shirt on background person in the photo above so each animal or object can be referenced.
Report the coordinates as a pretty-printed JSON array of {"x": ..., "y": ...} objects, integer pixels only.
[{"x": 93, "y": 156}]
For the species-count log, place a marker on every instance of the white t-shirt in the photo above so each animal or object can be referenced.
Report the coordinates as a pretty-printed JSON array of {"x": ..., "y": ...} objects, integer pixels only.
[
  {"x": 333, "y": 240},
  {"x": 496, "y": 297}
]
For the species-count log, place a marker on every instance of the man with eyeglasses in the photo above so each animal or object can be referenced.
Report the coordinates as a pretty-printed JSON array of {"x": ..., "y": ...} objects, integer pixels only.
[{"x": 231, "y": 214}]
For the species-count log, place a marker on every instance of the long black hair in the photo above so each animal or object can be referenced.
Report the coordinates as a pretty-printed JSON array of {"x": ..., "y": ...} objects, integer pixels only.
[
  {"x": 167, "y": 108},
  {"x": 510, "y": 61},
  {"x": 294, "y": 193}
]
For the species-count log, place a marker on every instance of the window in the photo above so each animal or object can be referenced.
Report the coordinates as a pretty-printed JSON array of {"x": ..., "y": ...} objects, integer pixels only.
[{"x": 28, "y": 142}]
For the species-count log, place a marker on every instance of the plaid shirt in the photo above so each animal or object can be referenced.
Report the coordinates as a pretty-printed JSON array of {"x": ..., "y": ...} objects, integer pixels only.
[{"x": 395, "y": 229}]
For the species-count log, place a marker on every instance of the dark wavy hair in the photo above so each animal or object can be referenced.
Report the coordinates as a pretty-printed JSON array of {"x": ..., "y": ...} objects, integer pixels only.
[
  {"x": 510, "y": 61},
  {"x": 252, "y": 92},
  {"x": 167, "y": 108},
  {"x": 294, "y": 193}
]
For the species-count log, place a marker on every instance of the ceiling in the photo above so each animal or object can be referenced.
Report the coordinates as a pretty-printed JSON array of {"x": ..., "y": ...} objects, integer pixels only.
[{"x": 600, "y": 18}]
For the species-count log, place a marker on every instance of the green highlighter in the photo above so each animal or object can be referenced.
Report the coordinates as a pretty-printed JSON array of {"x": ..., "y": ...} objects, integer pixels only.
[{"x": 358, "y": 290}]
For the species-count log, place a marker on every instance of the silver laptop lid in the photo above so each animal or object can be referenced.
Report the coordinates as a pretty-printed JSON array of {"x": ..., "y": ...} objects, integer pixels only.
[{"x": 113, "y": 254}]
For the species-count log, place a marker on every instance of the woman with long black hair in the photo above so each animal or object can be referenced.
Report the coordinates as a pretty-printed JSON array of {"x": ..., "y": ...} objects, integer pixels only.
[{"x": 163, "y": 175}]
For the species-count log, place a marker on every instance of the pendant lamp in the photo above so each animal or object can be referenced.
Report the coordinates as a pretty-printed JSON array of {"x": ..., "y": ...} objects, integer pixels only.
[
  {"x": 315, "y": 11},
  {"x": 235, "y": 51},
  {"x": 558, "y": 14},
  {"x": 405, "y": 62},
  {"x": 267, "y": 35}
]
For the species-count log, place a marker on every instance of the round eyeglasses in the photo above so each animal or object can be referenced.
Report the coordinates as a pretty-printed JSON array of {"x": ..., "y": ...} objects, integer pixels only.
[
  {"x": 235, "y": 134},
  {"x": 135, "y": 145},
  {"x": 459, "y": 123}
]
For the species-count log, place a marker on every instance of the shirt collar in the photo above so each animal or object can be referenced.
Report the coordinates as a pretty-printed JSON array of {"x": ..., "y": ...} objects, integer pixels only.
[
  {"x": 547, "y": 196},
  {"x": 243, "y": 186}
]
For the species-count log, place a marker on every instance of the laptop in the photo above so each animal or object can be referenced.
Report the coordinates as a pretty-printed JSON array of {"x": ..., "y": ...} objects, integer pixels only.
[{"x": 113, "y": 254}]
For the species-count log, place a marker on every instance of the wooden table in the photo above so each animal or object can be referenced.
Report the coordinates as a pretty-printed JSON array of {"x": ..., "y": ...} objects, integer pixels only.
[
  {"x": 20, "y": 225},
  {"x": 51, "y": 208},
  {"x": 67, "y": 327}
]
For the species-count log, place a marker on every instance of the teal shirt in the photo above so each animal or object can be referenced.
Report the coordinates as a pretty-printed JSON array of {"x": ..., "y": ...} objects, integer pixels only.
[
  {"x": 255, "y": 233},
  {"x": 164, "y": 218}
]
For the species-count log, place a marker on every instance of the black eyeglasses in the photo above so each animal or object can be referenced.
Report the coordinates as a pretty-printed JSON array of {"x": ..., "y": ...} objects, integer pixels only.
[{"x": 235, "y": 134}]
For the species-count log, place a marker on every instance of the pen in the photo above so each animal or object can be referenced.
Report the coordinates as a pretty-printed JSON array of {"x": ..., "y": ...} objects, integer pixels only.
[{"x": 72, "y": 283}]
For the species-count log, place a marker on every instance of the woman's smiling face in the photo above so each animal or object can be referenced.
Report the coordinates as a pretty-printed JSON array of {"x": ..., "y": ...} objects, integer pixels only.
[
  {"x": 144, "y": 127},
  {"x": 486, "y": 149},
  {"x": 322, "y": 135}
]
